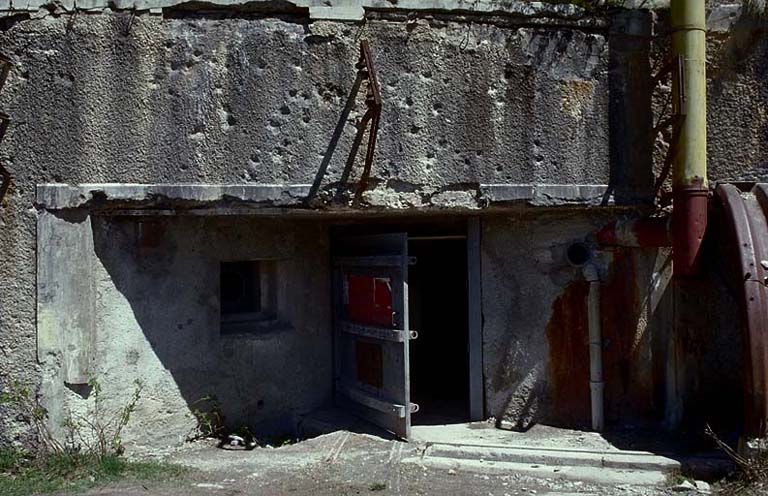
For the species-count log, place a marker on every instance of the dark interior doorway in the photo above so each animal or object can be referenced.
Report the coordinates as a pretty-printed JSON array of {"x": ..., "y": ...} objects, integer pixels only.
[{"x": 439, "y": 358}]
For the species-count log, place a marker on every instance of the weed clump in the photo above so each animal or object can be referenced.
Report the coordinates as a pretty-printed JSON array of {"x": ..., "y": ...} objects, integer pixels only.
[
  {"x": 751, "y": 474},
  {"x": 89, "y": 454},
  {"x": 97, "y": 432}
]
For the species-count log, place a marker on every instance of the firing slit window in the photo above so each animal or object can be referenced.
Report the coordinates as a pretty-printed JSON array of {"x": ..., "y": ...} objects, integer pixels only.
[
  {"x": 246, "y": 294},
  {"x": 240, "y": 288}
]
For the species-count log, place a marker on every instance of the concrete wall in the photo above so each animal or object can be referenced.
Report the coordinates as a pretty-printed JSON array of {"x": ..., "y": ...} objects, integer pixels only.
[
  {"x": 506, "y": 95},
  {"x": 115, "y": 98},
  {"x": 738, "y": 95},
  {"x": 535, "y": 353},
  {"x": 148, "y": 288},
  {"x": 122, "y": 298},
  {"x": 252, "y": 98}
]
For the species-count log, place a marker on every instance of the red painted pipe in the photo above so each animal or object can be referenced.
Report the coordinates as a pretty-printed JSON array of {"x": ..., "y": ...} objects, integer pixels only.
[
  {"x": 647, "y": 232},
  {"x": 689, "y": 222}
]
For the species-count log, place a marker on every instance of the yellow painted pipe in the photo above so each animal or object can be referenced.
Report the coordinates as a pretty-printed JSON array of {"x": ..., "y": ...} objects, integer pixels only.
[
  {"x": 688, "y": 18},
  {"x": 689, "y": 173}
]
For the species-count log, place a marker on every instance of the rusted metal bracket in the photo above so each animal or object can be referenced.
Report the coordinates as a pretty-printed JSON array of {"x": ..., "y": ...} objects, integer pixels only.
[
  {"x": 366, "y": 70},
  {"x": 675, "y": 120},
  {"x": 665, "y": 69},
  {"x": 680, "y": 101}
]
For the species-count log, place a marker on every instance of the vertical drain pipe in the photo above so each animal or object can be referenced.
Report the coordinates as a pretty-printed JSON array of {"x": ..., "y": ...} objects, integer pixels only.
[
  {"x": 596, "y": 384},
  {"x": 689, "y": 179},
  {"x": 579, "y": 255}
]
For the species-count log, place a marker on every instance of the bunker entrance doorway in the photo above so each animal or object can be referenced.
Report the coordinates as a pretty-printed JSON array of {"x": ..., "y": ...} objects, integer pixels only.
[
  {"x": 407, "y": 325},
  {"x": 438, "y": 310}
]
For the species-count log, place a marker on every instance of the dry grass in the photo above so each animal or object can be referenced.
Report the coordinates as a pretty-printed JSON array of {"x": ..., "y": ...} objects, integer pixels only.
[{"x": 751, "y": 475}]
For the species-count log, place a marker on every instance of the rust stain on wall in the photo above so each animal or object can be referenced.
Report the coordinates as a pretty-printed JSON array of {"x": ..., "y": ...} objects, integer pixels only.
[{"x": 568, "y": 372}]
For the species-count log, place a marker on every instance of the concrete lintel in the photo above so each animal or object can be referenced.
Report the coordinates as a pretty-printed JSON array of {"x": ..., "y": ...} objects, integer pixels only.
[
  {"x": 349, "y": 11},
  {"x": 545, "y": 195},
  {"x": 720, "y": 18},
  {"x": 281, "y": 196},
  {"x": 341, "y": 10},
  {"x": 521, "y": 8},
  {"x": 63, "y": 196}
]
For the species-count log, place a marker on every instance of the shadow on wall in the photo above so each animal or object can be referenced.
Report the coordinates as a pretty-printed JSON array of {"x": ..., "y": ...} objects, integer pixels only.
[
  {"x": 158, "y": 319},
  {"x": 630, "y": 108}
]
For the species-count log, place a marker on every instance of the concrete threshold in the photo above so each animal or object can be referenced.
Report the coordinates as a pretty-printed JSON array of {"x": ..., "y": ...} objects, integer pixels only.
[
  {"x": 630, "y": 460},
  {"x": 574, "y": 473},
  {"x": 625, "y": 467}
]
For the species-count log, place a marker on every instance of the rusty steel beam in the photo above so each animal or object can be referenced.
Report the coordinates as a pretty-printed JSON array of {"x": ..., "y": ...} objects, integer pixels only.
[{"x": 746, "y": 224}]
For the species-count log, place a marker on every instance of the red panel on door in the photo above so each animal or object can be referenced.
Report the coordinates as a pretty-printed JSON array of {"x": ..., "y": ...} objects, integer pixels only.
[
  {"x": 370, "y": 363},
  {"x": 369, "y": 300}
]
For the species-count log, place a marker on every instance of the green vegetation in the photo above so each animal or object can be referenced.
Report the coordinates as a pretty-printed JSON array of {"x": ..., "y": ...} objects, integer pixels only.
[
  {"x": 377, "y": 486},
  {"x": 98, "y": 432},
  {"x": 88, "y": 455},
  {"x": 212, "y": 424},
  {"x": 23, "y": 473},
  {"x": 210, "y": 419}
]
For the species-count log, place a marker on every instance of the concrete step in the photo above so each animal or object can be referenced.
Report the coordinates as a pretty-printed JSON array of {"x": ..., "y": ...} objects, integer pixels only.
[
  {"x": 612, "y": 477},
  {"x": 600, "y": 467},
  {"x": 631, "y": 460}
]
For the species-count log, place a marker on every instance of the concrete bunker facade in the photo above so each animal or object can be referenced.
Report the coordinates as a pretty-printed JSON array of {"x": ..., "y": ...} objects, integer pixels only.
[{"x": 153, "y": 145}]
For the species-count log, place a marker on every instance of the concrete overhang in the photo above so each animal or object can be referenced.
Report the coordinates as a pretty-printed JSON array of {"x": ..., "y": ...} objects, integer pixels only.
[
  {"x": 238, "y": 199},
  {"x": 336, "y": 10},
  {"x": 178, "y": 196}
]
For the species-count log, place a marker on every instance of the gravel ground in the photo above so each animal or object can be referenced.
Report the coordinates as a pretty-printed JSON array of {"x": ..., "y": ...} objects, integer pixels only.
[{"x": 341, "y": 464}]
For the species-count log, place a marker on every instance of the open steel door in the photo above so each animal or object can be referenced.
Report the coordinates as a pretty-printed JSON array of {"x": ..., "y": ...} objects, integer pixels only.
[{"x": 371, "y": 329}]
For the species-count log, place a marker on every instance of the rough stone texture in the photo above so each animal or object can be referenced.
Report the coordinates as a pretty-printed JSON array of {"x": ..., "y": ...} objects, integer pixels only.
[
  {"x": 147, "y": 99},
  {"x": 737, "y": 99},
  {"x": 264, "y": 378}
]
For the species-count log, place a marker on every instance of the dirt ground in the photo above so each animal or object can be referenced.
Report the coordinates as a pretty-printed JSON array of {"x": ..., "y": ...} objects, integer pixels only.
[{"x": 340, "y": 464}]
